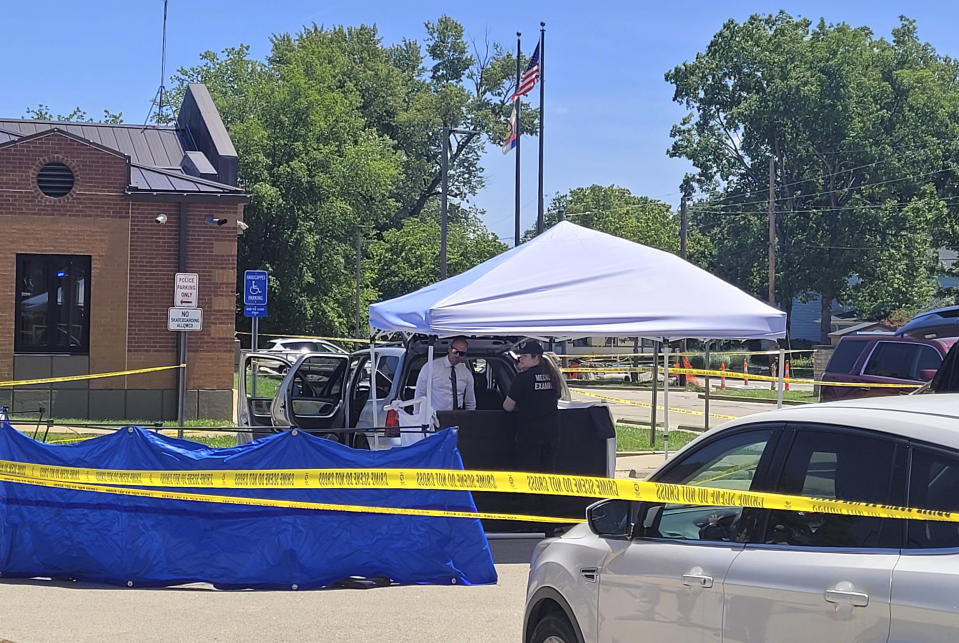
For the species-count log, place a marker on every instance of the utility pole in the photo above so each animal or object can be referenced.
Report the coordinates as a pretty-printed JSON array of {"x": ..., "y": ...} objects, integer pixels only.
[
  {"x": 445, "y": 168},
  {"x": 359, "y": 276},
  {"x": 682, "y": 250},
  {"x": 772, "y": 232},
  {"x": 444, "y": 189},
  {"x": 682, "y": 226}
]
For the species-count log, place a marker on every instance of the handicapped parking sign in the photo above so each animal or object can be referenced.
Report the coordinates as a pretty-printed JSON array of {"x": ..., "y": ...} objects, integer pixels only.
[{"x": 254, "y": 287}]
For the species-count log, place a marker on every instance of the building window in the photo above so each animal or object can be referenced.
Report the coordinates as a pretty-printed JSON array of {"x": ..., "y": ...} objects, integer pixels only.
[{"x": 53, "y": 304}]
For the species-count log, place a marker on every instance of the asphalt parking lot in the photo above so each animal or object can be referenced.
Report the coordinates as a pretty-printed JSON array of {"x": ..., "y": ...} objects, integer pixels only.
[
  {"x": 51, "y": 610},
  {"x": 57, "y": 610}
]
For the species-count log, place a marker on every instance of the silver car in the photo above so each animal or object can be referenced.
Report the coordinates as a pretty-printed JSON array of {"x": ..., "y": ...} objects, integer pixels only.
[
  {"x": 670, "y": 572},
  {"x": 293, "y": 347}
]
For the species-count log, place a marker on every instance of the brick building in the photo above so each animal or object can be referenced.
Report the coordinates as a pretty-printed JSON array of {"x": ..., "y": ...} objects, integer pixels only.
[{"x": 95, "y": 220}]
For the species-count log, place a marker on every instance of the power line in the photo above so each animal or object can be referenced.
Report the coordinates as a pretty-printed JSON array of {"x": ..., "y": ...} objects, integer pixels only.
[
  {"x": 847, "y": 209},
  {"x": 846, "y": 171},
  {"x": 711, "y": 210}
]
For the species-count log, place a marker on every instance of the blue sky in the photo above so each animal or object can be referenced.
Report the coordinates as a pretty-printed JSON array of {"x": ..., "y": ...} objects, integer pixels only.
[{"x": 608, "y": 108}]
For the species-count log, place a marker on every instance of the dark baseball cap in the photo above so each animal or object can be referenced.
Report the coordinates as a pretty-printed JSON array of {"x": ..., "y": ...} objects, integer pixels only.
[{"x": 529, "y": 347}]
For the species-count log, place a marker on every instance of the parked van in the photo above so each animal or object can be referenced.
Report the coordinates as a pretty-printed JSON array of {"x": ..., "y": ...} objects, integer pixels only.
[{"x": 882, "y": 359}]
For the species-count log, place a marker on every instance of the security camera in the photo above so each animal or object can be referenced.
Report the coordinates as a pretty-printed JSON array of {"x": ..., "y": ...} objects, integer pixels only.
[
  {"x": 214, "y": 221},
  {"x": 242, "y": 226},
  {"x": 160, "y": 218}
]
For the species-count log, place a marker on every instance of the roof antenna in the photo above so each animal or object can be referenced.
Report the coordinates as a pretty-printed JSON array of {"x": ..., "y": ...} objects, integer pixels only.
[{"x": 158, "y": 98}]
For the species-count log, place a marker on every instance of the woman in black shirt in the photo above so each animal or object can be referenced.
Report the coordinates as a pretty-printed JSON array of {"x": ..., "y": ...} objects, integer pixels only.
[{"x": 532, "y": 397}]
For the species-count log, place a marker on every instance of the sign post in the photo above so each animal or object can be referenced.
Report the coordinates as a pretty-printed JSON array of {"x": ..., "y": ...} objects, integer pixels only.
[
  {"x": 183, "y": 317},
  {"x": 255, "y": 287}
]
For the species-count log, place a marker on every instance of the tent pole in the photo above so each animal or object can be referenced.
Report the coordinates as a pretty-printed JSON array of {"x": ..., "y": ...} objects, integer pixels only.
[
  {"x": 781, "y": 383},
  {"x": 429, "y": 387},
  {"x": 706, "y": 410},
  {"x": 652, "y": 410},
  {"x": 376, "y": 434},
  {"x": 665, "y": 399}
]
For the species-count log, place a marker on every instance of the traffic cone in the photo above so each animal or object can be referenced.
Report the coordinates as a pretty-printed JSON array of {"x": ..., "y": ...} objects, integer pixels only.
[
  {"x": 787, "y": 375},
  {"x": 722, "y": 378},
  {"x": 745, "y": 372}
]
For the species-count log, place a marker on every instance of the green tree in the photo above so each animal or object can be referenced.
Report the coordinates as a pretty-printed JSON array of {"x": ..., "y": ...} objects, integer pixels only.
[
  {"x": 856, "y": 126},
  {"x": 407, "y": 258},
  {"x": 337, "y": 132},
  {"x": 616, "y": 211},
  {"x": 42, "y": 113}
]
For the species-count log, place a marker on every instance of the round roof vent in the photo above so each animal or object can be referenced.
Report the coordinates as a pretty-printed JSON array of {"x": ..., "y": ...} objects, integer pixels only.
[{"x": 55, "y": 180}]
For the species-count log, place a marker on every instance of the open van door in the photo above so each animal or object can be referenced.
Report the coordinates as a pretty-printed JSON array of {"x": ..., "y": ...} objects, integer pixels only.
[
  {"x": 359, "y": 402},
  {"x": 259, "y": 379},
  {"x": 312, "y": 396}
]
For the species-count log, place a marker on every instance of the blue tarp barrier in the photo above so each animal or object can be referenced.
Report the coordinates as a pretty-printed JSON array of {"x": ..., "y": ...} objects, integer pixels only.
[{"x": 108, "y": 538}]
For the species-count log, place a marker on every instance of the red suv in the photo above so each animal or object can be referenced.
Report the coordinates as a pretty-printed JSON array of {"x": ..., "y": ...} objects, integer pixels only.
[{"x": 882, "y": 359}]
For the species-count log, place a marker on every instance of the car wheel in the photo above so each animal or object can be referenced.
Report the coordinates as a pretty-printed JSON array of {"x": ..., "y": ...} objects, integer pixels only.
[
  {"x": 553, "y": 628},
  {"x": 360, "y": 441}
]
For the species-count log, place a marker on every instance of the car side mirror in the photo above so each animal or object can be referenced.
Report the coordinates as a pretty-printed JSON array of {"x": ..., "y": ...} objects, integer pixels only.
[
  {"x": 610, "y": 518},
  {"x": 927, "y": 374}
]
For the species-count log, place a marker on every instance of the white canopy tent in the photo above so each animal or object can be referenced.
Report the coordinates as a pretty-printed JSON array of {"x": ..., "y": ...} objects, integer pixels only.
[
  {"x": 576, "y": 282},
  {"x": 572, "y": 282}
]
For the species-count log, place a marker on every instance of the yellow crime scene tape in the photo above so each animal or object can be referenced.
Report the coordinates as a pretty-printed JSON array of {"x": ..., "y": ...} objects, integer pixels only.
[
  {"x": 286, "y": 504},
  {"x": 92, "y": 376},
  {"x": 649, "y": 406},
  {"x": 628, "y": 356},
  {"x": 738, "y": 375},
  {"x": 624, "y": 369},
  {"x": 83, "y": 479},
  {"x": 335, "y": 339}
]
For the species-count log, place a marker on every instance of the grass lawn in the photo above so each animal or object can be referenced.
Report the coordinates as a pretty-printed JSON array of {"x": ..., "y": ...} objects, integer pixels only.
[
  {"x": 24, "y": 421},
  {"x": 628, "y": 437},
  {"x": 636, "y": 438},
  {"x": 766, "y": 394},
  {"x": 60, "y": 437}
]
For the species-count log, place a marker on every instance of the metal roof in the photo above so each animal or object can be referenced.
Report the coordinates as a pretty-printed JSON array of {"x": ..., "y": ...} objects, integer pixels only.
[
  {"x": 151, "y": 179},
  {"x": 7, "y": 135},
  {"x": 164, "y": 160},
  {"x": 157, "y": 146}
]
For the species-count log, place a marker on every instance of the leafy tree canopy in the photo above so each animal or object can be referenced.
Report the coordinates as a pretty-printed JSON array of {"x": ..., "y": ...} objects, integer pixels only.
[
  {"x": 337, "y": 132},
  {"x": 864, "y": 135},
  {"x": 616, "y": 211},
  {"x": 42, "y": 113}
]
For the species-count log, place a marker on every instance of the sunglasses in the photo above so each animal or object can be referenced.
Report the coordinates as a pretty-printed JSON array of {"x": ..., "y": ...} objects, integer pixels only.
[{"x": 456, "y": 352}]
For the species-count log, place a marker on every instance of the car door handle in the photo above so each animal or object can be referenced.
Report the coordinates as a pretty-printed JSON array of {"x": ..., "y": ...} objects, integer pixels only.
[
  {"x": 697, "y": 580},
  {"x": 856, "y": 599}
]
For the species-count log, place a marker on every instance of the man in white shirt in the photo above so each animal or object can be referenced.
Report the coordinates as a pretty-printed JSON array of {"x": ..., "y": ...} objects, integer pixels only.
[{"x": 450, "y": 374}]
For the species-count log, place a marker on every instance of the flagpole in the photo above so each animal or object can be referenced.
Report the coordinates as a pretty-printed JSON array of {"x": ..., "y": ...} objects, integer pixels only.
[
  {"x": 516, "y": 106},
  {"x": 542, "y": 117}
]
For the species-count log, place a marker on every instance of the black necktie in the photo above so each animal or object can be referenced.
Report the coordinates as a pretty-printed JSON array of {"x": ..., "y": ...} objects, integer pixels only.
[{"x": 453, "y": 386}]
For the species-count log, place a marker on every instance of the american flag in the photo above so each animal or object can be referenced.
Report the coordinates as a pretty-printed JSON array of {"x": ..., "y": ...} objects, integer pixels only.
[{"x": 530, "y": 76}]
